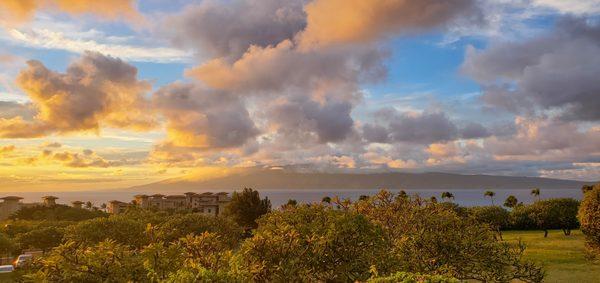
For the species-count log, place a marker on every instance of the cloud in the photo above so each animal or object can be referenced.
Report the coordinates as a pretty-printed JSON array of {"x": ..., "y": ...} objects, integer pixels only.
[
  {"x": 217, "y": 29},
  {"x": 20, "y": 11},
  {"x": 11, "y": 109},
  {"x": 329, "y": 121},
  {"x": 48, "y": 39},
  {"x": 424, "y": 128},
  {"x": 275, "y": 68},
  {"x": 580, "y": 7},
  {"x": 474, "y": 131},
  {"x": 546, "y": 139},
  {"x": 7, "y": 149},
  {"x": 203, "y": 119},
  {"x": 51, "y": 145},
  {"x": 350, "y": 21},
  {"x": 95, "y": 91},
  {"x": 555, "y": 72}
]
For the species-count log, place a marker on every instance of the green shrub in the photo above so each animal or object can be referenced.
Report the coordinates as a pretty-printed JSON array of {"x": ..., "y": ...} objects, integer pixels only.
[
  {"x": 118, "y": 228},
  {"x": 433, "y": 239},
  {"x": 495, "y": 216},
  {"x": 57, "y": 212},
  {"x": 405, "y": 277},
  {"x": 313, "y": 244},
  {"x": 589, "y": 216},
  {"x": 178, "y": 226}
]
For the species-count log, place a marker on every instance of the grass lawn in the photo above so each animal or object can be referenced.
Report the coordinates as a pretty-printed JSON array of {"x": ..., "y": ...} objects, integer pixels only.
[{"x": 562, "y": 256}]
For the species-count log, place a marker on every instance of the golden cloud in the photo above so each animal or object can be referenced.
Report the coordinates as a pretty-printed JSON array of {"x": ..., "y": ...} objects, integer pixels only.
[
  {"x": 20, "y": 11},
  {"x": 95, "y": 91},
  {"x": 347, "y": 21}
]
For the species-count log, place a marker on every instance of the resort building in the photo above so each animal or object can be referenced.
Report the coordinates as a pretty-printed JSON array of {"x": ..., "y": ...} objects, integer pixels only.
[
  {"x": 116, "y": 207},
  {"x": 77, "y": 204},
  {"x": 49, "y": 200},
  {"x": 208, "y": 203},
  {"x": 12, "y": 204}
]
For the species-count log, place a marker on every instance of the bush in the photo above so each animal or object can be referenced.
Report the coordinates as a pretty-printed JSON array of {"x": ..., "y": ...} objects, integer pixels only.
[
  {"x": 521, "y": 218},
  {"x": 495, "y": 216},
  {"x": 313, "y": 244},
  {"x": 57, "y": 212},
  {"x": 118, "y": 228},
  {"x": 433, "y": 239},
  {"x": 105, "y": 261},
  {"x": 41, "y": 238},
  {"x": 405, "y": 277},
  {"x": 178, "y": 226},
  {"x": 589, "y": 216}
]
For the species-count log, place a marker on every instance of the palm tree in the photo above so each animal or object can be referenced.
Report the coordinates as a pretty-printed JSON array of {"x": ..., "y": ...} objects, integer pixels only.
[
  {"x": 447, "y": 196},
  {"x": 88, "y": 204},
  {"x": 326, "y": 200},
  {"x": 491, "y": 195},
  {"x": 433, "y": 199},
  {"x": 103, "y": 206},
  {"x": 536, "y": 193},
  {"x": 511, "y": 201}
]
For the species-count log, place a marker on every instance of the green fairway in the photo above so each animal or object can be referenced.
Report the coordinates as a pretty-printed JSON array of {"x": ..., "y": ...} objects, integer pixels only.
[{"x": 562, "y": 256}]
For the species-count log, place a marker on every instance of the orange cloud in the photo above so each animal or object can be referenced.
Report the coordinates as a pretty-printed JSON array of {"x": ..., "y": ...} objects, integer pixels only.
[
  {"x": 20, "y": 11},
  {"x": 347, "y": 21},
  {"x": 95, "y": 91},
  {"x": 6, "y": 149}
]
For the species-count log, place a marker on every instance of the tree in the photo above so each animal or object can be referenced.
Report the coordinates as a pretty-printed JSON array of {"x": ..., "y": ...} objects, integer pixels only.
[
  {"x": 447, "y": 196},
  {"x": 246, "y": 207},
  {"x": 511, "y": 201},
  {"x": 363, "y": 197},
  {"x": 536, "y": 193},
  {"x": 558, "y": 213},
  {"x": 313, "y": 243},
  {"x": 495, "y": 216},
  {"x": 179, "y": 226},
  {"x": 106, "y": 261},
  {"x": 491, "y": 195},
  {"x": 290, "y": 203},
  {"x": 326, "y": 200},
  {"x": 431, "y": 238},
  {"x": 88, "y": 204},
  {"x": 7, "y": 245},
  {"x": 589, "y": 216},
  {"x": 42, "y": 238},
  {"x": 121, "y": 229}
]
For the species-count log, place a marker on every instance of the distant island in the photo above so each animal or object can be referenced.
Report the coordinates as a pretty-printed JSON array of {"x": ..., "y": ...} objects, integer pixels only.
[{"x": 278, "y": 179}]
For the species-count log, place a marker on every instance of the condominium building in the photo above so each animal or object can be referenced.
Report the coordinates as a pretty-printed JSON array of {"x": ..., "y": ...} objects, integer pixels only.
[
  {"x": 208, "y": 203},
  {"x": 11, "y": 204},
  {"x": 116, "y": 207}
]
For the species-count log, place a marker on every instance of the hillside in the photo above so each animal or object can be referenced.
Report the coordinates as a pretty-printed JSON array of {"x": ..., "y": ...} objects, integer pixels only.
[{"x": 265, "y": 179}]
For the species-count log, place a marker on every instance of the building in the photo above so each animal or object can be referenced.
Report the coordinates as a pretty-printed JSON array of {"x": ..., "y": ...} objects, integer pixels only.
[
  {"x": 11, "y": 204},
  {"x": 49, "y": 200},
  {"x": 77, "y": 204},
  {"x": 116, "y": 207},
  {"x": 208, "y": 203}
]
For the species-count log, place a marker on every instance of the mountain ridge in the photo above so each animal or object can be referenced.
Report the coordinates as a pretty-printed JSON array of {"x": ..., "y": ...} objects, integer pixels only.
[{"x": 269, "y": 179}]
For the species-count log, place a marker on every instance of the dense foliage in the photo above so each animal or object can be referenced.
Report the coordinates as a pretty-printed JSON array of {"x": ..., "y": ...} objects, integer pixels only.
[
  {"x": 246, "y": 207},
  {"x": 314, "y": 243},
  {"x": 433, "y": 239},
  {"x": 56, "y": 212},
  {"x": 382, "y": 238},
  {"x": 589, "y": 216}
]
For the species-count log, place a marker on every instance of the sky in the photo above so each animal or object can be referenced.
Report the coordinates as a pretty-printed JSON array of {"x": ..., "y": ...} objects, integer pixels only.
[{"x": 116, "y": 93}]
